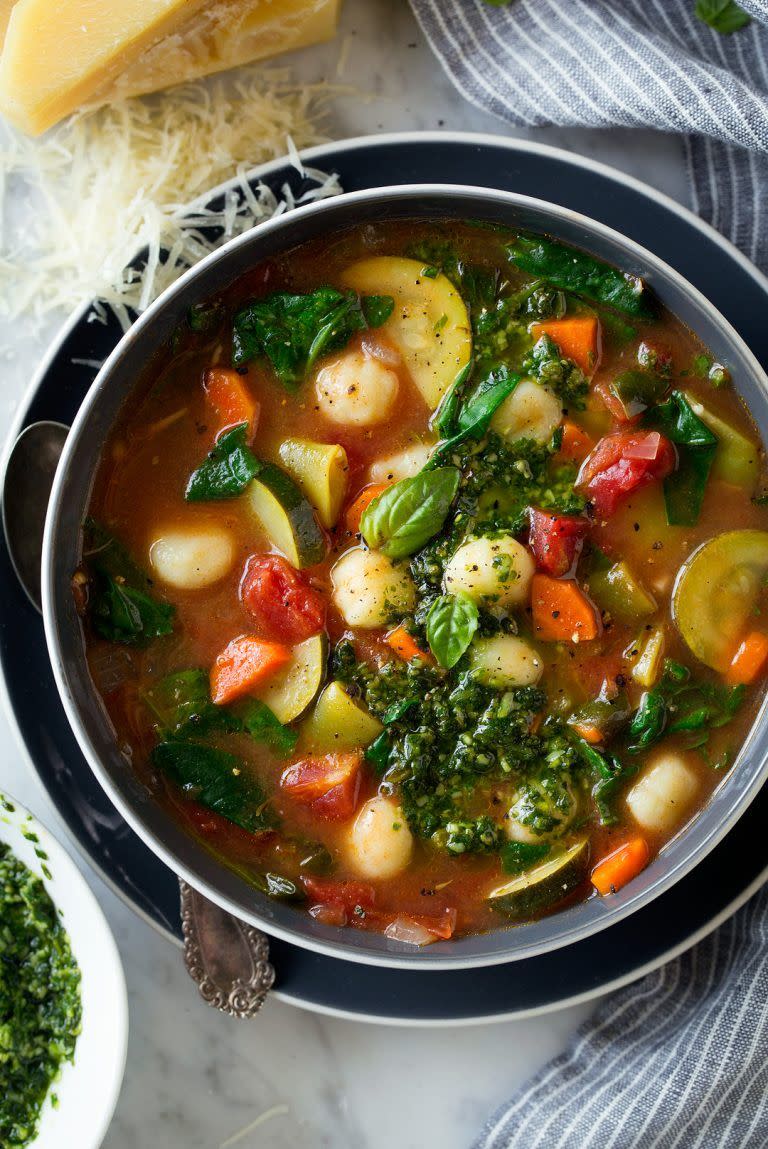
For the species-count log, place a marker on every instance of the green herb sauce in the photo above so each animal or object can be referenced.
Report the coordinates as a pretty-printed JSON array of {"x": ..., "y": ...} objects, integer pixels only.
[{"x": 40, "y": 1006}]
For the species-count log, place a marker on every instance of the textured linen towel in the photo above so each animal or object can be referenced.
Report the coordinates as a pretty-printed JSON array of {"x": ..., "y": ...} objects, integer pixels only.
[{"x": 680, "y": 1059}]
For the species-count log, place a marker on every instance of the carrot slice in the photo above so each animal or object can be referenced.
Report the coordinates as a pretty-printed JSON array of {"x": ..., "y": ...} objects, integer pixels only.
[
  {"x": 575, "y": 444},
  {"x": 244, "y": 665},
  {"x": 621, "y": 866},
  {"x": 561, "y": 611},
  {"x": 404, "y": 646},
  {"x": 230, "y": 398},
  {"x": 749, "y": 659},
  {"x": 576, "y": 336},
  {"x": 591, "y": 734},
  {"x": 355, "y": 509}
]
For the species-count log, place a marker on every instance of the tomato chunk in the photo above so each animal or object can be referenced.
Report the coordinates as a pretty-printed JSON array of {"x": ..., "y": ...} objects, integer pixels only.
[
  {"x": 346, "y": 897},
  {"x": 620, "y": 464},
  {"x": 329, "y": 783},
  {"x": 282, "y": 603},
  {"x": 555, "y": 540},
  {"x": 227, "y": 393}
]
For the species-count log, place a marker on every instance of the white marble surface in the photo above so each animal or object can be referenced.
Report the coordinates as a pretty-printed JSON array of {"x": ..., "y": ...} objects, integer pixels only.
[{"x": 195, "y": 1079}]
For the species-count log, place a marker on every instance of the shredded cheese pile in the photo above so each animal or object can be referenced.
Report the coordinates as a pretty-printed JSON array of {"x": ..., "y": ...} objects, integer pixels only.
[{"x": 112, "y": 181}]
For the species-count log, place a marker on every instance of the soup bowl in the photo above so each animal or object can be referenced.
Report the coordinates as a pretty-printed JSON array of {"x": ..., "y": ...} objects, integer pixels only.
[{"x": 67, "y": 509}]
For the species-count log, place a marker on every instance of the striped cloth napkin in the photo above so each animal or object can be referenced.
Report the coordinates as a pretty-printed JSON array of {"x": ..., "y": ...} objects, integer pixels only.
[{"x": 680, "y": 1059}]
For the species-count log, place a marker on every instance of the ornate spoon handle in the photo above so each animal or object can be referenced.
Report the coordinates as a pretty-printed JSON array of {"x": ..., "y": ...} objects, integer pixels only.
[{"x": 227, "y": 959}]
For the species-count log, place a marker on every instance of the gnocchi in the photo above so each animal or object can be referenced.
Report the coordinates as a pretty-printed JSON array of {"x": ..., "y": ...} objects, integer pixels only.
[
  {"x": 664, "y": 794},
  {"x": 506, "y": 661},
  {"x": 192, "y": 559},
  {"x": 380, "y": 843},
  {"x": 402, "y": 465},
  {"x": 356, "y": 390},
  {"x": 532, "y": 411},
  {"x": 491, "y": 571},
  {"x": 369, "y": 590}
]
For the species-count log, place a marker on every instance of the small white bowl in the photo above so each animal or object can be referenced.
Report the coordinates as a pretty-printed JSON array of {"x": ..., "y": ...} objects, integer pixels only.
[{"x": 88, "y": 1088}]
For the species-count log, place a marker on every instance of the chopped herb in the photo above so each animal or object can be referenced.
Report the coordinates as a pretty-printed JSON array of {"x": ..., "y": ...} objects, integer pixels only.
[{"x": 227, "y": 471}]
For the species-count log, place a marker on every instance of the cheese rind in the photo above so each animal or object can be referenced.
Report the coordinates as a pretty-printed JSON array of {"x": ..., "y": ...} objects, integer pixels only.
[
  {"x": 226, "y": 35},
  {"x": 56, "y": 55}
]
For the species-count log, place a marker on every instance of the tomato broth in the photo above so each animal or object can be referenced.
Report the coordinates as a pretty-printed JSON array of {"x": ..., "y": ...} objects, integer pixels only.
[{"x": 388, "y": 586}]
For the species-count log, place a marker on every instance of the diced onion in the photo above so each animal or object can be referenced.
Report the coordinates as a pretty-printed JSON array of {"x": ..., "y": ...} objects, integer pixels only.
[{"x": 405, "y": 929}]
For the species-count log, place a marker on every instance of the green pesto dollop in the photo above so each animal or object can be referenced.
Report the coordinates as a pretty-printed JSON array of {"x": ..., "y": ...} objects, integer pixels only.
[{"x": 40, "y": 1006}]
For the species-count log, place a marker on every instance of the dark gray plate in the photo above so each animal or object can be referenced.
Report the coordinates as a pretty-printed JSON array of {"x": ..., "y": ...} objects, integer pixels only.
[{"x": 648, "y": 937}]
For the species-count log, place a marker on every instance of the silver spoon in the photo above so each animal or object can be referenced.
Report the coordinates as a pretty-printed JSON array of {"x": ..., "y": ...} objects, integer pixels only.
[{"x": 227, "y": 959}]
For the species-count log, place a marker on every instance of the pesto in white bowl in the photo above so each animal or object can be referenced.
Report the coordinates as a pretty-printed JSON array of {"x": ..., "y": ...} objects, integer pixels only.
[{"x": 63, "y": 1009}]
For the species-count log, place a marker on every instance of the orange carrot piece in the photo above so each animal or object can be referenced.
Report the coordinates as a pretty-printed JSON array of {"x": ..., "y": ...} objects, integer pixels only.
[
  {"x": 244, "y": 665},
  {"x": 561, "y": 611},
  {"x": 575, "y": 444},
  {"x": 576, "y": 336},
  {"x": 749, "y": 659},
  {"x": 359, "y": 503},
  {"x": 231, "y": 399},
  {"x": 404, "y": 646},
  {"x": 591, "y": 734},
  {"x": 621, "y": 866}
]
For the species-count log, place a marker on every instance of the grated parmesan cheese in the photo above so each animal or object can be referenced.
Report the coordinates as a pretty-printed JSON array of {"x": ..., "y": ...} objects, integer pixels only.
[{"x": 112, "y": 181}]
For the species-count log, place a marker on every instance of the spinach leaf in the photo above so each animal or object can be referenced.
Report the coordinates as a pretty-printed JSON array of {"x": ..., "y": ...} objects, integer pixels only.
[
  {"x": 264, "y": 726},
  {"x": 573, "y": 270},
  {"x": 516, "y": 857},
  {"x": 293, "y": 331},
  {"x": 473, "y": 415},
  {"x": 476, "y": 284},
  {"x": 204, "y": 317},
  {"x": 182, "y": 704},
  {"x": 216, "y": 780},
  {"x": 397, "y": 710},
  {"x": 725, "y": 16},
  {"x": 121, "y": 607},
  {"x": 406, "y": 516},
  {"x": 696, "y": 447},
  {"x": 611, "y": 775},
  {"x": 680, "y": 705},
  {"x": 378, "y": 753},
  {"x": 451, "y": 625},
  {"x": 445, "y": 421},
  {"x": 227, "y": 471}
]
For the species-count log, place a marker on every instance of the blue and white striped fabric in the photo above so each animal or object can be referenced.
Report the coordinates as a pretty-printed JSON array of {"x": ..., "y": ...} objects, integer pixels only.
[
  {"x": 632, "y": 63},
  {"x": 680, "y": 1059}
]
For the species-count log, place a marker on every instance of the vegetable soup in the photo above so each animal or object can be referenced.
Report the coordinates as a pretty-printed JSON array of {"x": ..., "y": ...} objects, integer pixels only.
[{"x": 424, "y": 577}]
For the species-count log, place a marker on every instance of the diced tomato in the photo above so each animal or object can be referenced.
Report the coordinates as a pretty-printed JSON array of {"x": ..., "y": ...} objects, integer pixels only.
[
  {"x": 281, "y": 602},
  {"x": 329, "y": 783},
  {"x": 555, "y": 540},
  {"x": 220, "y": 830},
  {"x": 228, "y": 394},
  {"x": 610, "y": 400},
  {"x": 622, "y": 463},
  {"x": 338, "y": 903}
]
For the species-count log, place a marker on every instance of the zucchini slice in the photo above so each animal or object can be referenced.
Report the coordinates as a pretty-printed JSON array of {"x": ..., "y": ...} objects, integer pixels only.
[
  {"x": 737, "y": 458},
  {"x": 287, "y": 517},
  {"x": 429, "y": 326},
  {"x": 321, "y": 470},
  {"x": 544, "y": 885},
  {"x": 716, "y": 592},
  {"x": 291, "y": 691},
  {"x": 338, "y": 723}
]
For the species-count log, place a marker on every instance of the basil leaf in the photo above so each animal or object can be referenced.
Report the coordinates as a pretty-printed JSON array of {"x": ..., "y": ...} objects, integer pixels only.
[
  {"x": 451, "y": 625},
  {"x": 725, "y": 16},
  {"x": 121, "y": 607},
  {"x": 481, "y": 405},
  {"x": 408, "y": 514},
  {"x": 516, "y": 857},
  {"x": 696, "y": 447},
  {"x": 216, "y": 780},
  {"x": 264, "y": 726}
]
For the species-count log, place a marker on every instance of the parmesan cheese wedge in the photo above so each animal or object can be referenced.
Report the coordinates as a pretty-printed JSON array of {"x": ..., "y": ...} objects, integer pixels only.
[
  {"x": 58, "y": 57},
  {"x": 225, "y": 35}
]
